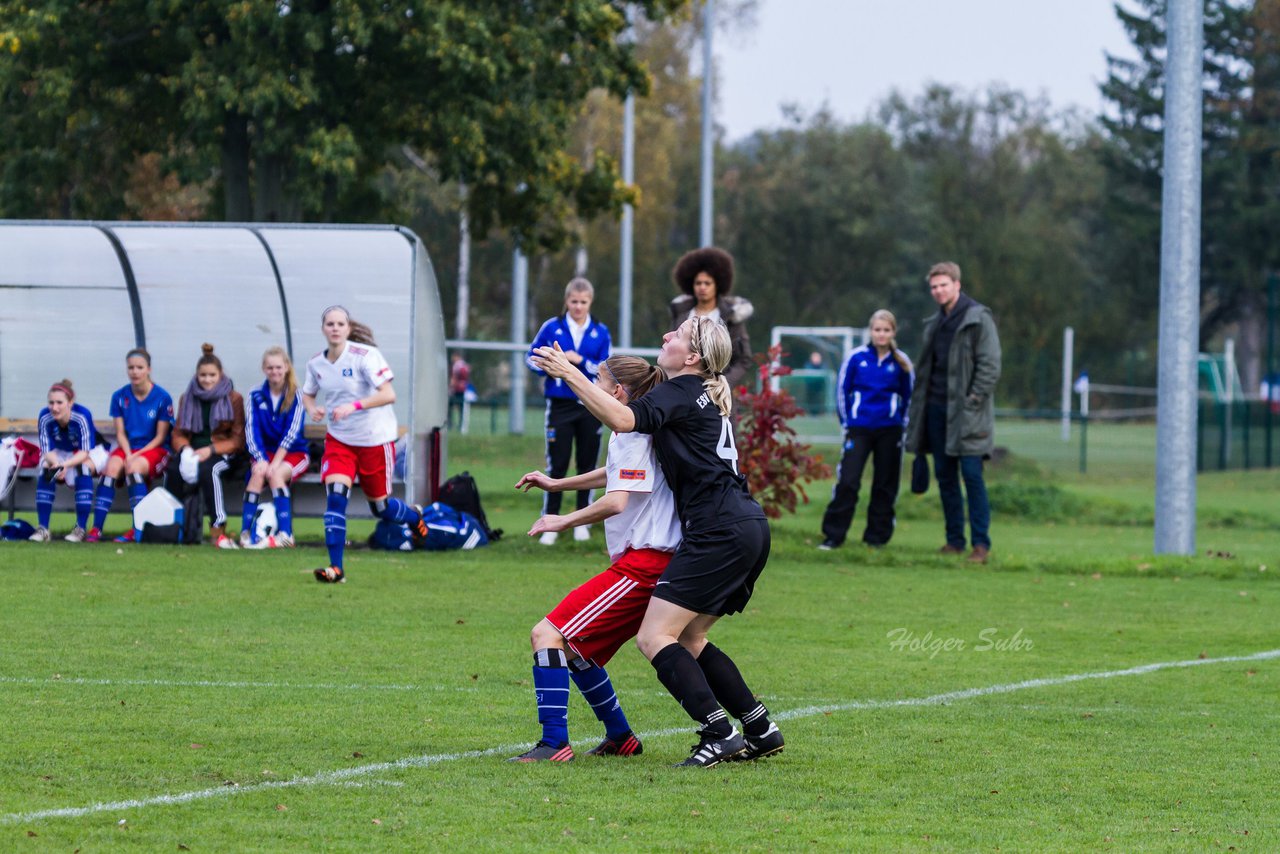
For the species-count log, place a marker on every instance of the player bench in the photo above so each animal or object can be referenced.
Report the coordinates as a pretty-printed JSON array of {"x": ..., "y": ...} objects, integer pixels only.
[{"x": 308, "y": 490}]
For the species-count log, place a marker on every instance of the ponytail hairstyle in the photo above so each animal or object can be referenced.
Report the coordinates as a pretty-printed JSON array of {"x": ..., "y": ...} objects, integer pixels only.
[
  {"x": 207, "y": 358},
  {"x": 709, "y": 341},
  {"x": 290, "y": 378},
  {"x": 64, "y": 386},
  {"x": 359, "y": 333},
  {"x": 634, "y": 374},
  {"x": 898, "y": 356},
  {"x": 141, "y": 353}
]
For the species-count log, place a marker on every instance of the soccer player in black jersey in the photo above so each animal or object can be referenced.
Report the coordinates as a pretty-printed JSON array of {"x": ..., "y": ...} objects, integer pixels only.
[{"x": 726, "y": 535}]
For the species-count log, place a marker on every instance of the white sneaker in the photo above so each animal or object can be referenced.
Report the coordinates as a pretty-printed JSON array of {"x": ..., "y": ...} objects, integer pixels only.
[
  {"x": 76, "y": 535},
  {"x": 40, "y": 536},
  {"x": 246, "y": 540},
  {"x": 225, "y": 542},
  {"x": 282, "y": 541},
  {"x": 261, "y": 543},
  {"x": 549, "y": 538},
  {"x": 582, "y": 533}
]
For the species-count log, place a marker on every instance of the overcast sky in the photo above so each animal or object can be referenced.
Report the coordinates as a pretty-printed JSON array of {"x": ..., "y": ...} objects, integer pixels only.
[{"x": 851, "y": 53}]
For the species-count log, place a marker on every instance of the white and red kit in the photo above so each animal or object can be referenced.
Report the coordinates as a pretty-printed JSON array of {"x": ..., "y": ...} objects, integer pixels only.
[
  {"x": 598, "y": 617},
  {"x": 361, "y": 445}
]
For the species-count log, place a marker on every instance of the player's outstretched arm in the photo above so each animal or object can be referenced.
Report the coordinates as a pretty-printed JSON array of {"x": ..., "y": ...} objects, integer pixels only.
[
  {"x": 598, "y": 402},
  {"x": 611, "y": 504},
  {"x": 589, "y": 480}
]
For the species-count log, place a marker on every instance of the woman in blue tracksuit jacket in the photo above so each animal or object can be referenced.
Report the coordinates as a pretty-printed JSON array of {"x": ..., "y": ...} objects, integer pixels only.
[
  {"x": 273, "y": 430},
  {"x": 874, "y": 389},
  {"x": 587, "y": 344}
]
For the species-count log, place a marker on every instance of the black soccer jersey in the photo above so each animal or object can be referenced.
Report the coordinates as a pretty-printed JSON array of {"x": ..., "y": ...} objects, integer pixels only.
[{"x": 696, "y": 449}]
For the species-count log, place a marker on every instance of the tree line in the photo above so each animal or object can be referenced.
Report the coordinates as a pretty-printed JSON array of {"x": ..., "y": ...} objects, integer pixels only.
[{"x": 418, "y": 111}]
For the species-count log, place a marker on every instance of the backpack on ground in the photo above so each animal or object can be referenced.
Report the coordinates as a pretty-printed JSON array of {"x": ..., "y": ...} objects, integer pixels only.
[
  {"x": 461, "y": 493},
  {"x": 449, "y": 528}
]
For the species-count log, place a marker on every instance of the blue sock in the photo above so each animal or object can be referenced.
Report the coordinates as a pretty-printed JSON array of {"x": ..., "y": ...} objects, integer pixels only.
[
  {"x": 248, "y": 513},
  {"x": 551, "y": 690},
  {"x": 45, "y": 489},
  {"x": 102, "y": 501},
  {"x": 335, "y": 523},
  {"x": 284, "y": 509},
  {"x": 84, "y": 499},
  {"x": 597, "y": 689},
  {"x": 399, "y": 512},
  {"x": 137, "y": 489}
]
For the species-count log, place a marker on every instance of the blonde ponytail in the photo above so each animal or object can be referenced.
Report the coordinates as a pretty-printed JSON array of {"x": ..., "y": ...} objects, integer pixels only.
[{"x": 710, "y": 340}]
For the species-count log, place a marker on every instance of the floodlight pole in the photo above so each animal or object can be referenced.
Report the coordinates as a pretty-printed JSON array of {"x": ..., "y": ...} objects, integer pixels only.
[
  {"x": 625, "y": 272},
  {"x": 1175, "y": 523},
  {"x": 519, "y": 322},
  {"x": 1068, "y": 357},
  {"x": 708, "y": 199}
]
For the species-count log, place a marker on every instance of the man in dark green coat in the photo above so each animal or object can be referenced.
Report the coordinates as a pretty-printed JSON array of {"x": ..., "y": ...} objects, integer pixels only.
[{"x": 953, "y": 412}]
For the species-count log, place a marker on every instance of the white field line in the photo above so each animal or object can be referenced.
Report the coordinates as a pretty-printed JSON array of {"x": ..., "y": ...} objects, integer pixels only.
[{"x": 344, "y": 776}]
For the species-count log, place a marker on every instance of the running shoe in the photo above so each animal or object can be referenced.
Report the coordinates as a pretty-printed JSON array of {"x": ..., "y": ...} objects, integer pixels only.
[
  {"x": 267, "y": 542},
  {"x": 225, "y": 542},
  {"x": 419, "y": 528},
  {"x": 77, "y": 535},
  {"x": 94, "y": 536},
  {"x": 627, "y": 745},
  {"x": 246, "y": 540},
  {"x": 582, "y": 533},
  {"x": 543, "y": 752},
  {"x": 126, "y": 537},
  {"x": 548, "y": 538},
  {"x": 282, "y": 541},
  {"x": 760, "y": 746},
  {"x": 713, "y": 749},
  {"x": 40, "y": 536},
  {"x": 330, "y": 575}
]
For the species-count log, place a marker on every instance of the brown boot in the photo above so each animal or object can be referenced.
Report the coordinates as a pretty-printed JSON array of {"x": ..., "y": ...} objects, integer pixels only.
[{"x": 979, "y": 554}]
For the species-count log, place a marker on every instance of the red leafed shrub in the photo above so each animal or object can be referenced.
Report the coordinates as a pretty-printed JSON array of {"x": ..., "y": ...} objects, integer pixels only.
[{"x": 776, "y": 465}]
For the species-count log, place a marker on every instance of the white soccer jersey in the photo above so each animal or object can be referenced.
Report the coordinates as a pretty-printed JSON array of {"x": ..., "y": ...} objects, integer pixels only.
[
  {"x": 650, "y": 520},
  {"x": 359, "y": 371}
]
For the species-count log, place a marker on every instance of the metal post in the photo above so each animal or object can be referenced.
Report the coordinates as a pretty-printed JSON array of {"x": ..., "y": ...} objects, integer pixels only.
[
  {"x": 1068, "y": 357},
  {"x": 1228, "y": 399},
  {"x": 464, "y": 267},
  {"x": 708, "y": 200},
  {"x": 628, "y": 220},
  {"x": 519, "y": 321},
  {"x": 1175, "y": 523},
  {"x": 1271, "y": 364}
]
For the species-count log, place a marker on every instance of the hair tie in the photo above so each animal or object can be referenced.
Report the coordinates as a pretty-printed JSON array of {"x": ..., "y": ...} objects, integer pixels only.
[
  {"x": 335, "y": 307},
  {"x": 71, "y": 395}
]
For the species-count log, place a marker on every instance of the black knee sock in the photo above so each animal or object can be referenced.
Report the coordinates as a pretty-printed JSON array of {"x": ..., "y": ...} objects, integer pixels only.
[
  {"x": 731, "y": 690},
  {"x": 681, "y": 675}
]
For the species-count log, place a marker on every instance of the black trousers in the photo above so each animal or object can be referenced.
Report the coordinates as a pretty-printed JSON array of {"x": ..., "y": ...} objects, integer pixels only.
[
  {"x": 209, "y": 482},
  {"x": 883, "y": 446},
  {"x": 569, "y": 426}
]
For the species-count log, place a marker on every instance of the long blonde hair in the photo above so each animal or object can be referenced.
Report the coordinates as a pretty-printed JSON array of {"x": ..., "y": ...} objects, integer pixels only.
[
  {"x": 898, "y": 356},
  {"x": 290, "y": 378},
  {"x": 358, "y": 332},
  {"x": 709, "y": 340}
]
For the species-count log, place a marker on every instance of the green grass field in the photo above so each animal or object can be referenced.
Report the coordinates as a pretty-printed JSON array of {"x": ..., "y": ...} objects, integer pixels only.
[{"x": 1076, "y": 693}]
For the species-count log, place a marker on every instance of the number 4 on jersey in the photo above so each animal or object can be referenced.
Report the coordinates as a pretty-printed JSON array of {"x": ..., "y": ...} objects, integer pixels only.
[{"x": 725, "y": 449}]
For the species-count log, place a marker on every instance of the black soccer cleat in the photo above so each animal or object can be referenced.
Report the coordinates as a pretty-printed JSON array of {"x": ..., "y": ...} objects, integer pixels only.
[
  {"x": 330, "y": 575},
  {"x": 627, "y": 745},
  {"x": 543, "y": 752},
  {"x": 712, "y": 749},
  {"x": 760, "y": 746}
]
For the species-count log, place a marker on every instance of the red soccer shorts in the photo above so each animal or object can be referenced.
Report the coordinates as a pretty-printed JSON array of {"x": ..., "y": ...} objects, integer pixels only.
[
  {"x": 371, "y": 465},
  {"x": 600, "y": 616},
  {"x": 297, "y": 461},
  {"x": 157, "y": 460}
]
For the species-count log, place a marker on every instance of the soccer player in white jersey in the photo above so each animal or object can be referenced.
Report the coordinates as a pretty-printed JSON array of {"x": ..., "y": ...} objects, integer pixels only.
[
  {"x": 349, "y": 382},
  {"x": 581, "y": 634}
]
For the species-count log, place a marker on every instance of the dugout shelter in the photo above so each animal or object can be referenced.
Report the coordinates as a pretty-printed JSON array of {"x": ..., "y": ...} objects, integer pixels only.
[{"x": 75, "y": 296}]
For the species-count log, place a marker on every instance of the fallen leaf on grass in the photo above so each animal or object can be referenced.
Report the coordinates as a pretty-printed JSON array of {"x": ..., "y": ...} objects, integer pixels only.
[
  {"x": 1203, "y": 654},
  {"x": 377, "y": 821},
  {"x": 32, "y": 833},
  {"x": 357, "y": 754},
  {"x": 195, "y": 746},
  {"x": 182, "y": 847},
  {"x": 1097, "y": 576},
  {"x": 281, "y": 808}
]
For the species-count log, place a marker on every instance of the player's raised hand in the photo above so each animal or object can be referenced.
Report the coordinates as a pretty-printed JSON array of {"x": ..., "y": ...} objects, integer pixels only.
[
  {"x": 553, "y": 361},
  {"x": 535, "y": 478}
]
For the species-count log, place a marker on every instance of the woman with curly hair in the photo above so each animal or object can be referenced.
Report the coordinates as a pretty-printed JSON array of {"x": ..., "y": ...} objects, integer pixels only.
[{"x": 706, "y": 277}]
